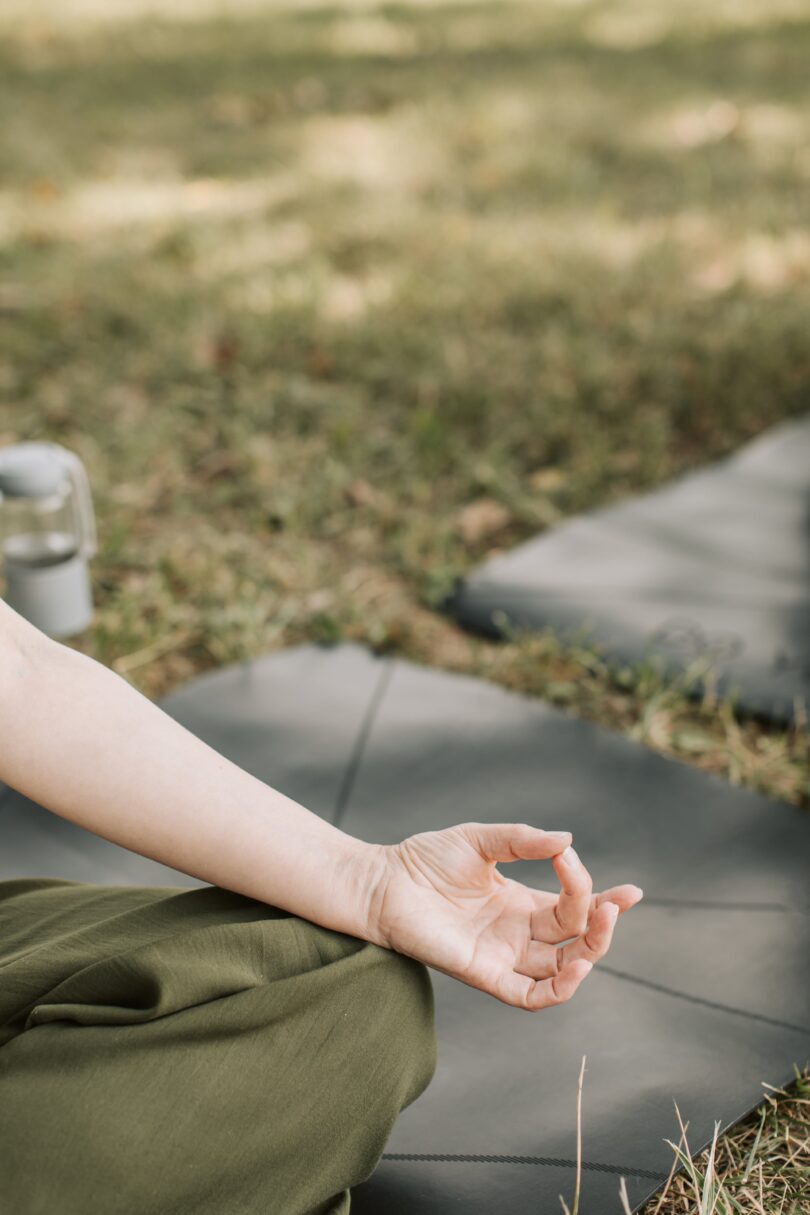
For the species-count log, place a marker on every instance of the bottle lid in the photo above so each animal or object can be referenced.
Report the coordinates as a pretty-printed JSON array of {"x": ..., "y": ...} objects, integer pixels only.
[{"x": 30, "y": 470}]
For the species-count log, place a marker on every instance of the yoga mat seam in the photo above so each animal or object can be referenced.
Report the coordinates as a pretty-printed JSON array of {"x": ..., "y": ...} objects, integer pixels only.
[
  {"x": 361, "y": 741},
  {"x": 541, "y": 1161},
  {"x": 729, "y": 1009}
]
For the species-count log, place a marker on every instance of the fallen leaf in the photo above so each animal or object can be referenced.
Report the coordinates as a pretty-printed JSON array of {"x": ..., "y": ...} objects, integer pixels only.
[
  {"x": 45, "y": 190},
  {"x": 481, "y": 519},
  {"x": 359, "y": 493},
  {"x": 547, "y": 480}
]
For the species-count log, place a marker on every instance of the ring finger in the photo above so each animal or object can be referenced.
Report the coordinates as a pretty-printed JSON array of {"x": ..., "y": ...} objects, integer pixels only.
[
  {"x": 595, "y": 941},
  {"x": 542, "y": 961}
]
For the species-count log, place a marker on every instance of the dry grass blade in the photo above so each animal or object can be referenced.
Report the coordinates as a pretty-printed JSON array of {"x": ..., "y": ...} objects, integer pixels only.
[
  {"x": 703, "y": 1189},
  {"x": 672, "y": 1169},
  {"x": 578, "y": 1188},
  {"x": 754, "y": 1148},
  {"x": 149, "y": 653},
  {"x": 578, "y": 1183},
  {"x": 710, "y": 1195}
]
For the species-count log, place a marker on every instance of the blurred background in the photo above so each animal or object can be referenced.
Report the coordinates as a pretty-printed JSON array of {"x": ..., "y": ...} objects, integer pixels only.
[{"x": 333, "y": 300}]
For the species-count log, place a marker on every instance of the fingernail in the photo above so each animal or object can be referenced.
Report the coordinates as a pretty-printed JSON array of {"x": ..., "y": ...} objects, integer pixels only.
[
  {"x": 570, "y": 858},
  {"x": 561, "y": 836},
  {"x": 639, "y": 891},
  {"x": 614, "y": 908},
  {"x": 590, "y": 967}
]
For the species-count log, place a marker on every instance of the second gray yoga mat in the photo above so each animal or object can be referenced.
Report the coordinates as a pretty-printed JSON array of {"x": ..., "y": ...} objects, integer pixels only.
[
  {"x": 710, "y": 573},
  {"x": 704, "y": 997}
]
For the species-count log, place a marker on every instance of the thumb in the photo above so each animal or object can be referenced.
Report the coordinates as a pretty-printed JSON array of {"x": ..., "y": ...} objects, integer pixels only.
[{"x": 515, "y": 841}]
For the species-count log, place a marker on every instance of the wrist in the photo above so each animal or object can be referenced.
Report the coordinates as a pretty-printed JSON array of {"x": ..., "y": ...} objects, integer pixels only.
[{"x": 360, "y": 890}]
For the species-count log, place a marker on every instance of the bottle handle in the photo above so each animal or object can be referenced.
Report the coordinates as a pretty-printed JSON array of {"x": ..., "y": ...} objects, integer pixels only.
[{"x": 83, "y": 503}]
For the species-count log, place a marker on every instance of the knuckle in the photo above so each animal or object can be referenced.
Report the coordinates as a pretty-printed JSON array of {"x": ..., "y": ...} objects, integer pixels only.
[
  {"x": 558, "y": 920},
  {"x": 559, "y": 996},
  {"x": 525, "y": 1001},
  {"x": 595, "y": 945}
]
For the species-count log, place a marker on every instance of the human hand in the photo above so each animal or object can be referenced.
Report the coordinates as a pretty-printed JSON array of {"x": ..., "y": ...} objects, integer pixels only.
[{"x": 440, "y": 899}]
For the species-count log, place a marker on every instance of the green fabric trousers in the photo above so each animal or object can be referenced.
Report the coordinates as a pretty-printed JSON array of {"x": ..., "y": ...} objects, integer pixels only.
[{"x": 195, "y": 1052}]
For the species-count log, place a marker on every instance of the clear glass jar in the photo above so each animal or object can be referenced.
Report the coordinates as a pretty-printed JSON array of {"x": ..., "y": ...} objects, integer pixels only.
[
  {"x": 46, "y": 516},
  {"x": 37, "y": 532},
  {"x": 47, "y": 535}
]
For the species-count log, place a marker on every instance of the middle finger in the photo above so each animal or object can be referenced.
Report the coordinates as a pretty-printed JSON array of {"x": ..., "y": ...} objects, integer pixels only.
[{"x": 568, "y": 916}]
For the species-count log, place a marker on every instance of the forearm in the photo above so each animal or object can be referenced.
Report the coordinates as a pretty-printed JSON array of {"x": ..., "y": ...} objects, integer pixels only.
[{"x": 81, "y": 741}]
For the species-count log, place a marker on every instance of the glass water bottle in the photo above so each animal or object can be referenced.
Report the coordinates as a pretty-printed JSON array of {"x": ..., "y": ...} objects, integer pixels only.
[{"x": 47, "y": 536}]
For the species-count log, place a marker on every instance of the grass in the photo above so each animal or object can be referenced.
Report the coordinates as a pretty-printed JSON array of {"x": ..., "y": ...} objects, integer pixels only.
[
  {"x": 574, "y": 1209},
  {"x": 334, "y": 301},
  {"x": 763, "y": 1166},
  {"x": 766, "y": 1160}
]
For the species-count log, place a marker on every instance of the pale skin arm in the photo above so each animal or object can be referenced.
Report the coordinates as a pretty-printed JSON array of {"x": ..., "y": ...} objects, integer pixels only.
[{"x": 81, "y": 741}]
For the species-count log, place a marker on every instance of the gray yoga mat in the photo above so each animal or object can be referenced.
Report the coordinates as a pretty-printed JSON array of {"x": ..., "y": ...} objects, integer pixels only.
[
  {"x": 704, "y": 997},
  {"x": 711, "y": 574}
]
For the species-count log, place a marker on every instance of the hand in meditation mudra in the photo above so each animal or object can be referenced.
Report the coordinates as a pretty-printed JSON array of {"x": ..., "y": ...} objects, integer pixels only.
[{"x": 440, "y": 898}]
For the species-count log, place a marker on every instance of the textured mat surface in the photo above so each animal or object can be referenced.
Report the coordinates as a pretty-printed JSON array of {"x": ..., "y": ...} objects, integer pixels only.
[
  {"x": 705, "y": 995},
  {"x": 711, "y": 572}
]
